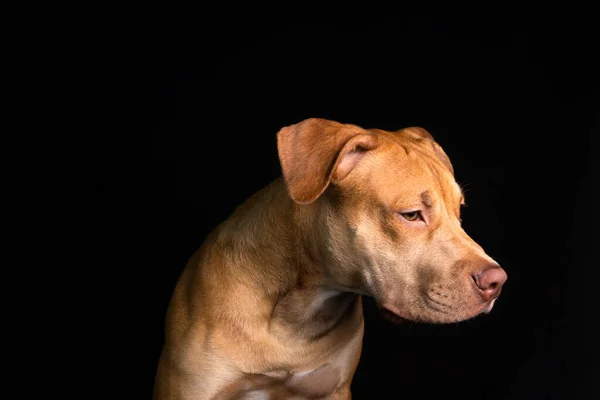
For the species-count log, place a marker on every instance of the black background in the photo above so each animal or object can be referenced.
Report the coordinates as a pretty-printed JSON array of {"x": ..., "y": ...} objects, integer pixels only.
[{"x": 145, "y": 126}]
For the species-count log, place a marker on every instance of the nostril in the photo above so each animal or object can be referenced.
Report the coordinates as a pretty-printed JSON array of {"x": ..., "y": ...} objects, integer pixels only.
[
  {"x": 490, "y": 282},
  {"x": 480, "y": 281}
]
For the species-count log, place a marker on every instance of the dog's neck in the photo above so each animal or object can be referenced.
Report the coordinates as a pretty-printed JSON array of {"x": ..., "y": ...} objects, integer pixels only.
[
  {"x": 310, "y": 314},
  {"x": 305, "y": 299}
]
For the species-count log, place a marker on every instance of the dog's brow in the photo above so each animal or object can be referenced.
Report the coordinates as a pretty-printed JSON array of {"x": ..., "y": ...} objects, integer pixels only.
[{"x": 426, "y": 199}]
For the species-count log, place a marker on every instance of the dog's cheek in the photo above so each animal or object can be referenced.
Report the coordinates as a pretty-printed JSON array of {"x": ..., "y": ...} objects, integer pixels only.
[{"x": 391, "y": 272}]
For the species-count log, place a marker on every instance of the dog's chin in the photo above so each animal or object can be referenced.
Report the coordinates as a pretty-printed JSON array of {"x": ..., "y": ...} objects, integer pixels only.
[
  {"x": 391, "y": 316},
  {"x": 434, "y": 315}
]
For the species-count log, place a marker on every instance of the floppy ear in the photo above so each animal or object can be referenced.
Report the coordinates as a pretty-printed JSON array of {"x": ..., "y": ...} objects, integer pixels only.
[
  {"x": 419, "y": 133},
  {"x": 316, "y": 151}
]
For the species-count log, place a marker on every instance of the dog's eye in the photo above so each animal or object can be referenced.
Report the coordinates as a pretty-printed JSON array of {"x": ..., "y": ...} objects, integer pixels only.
[{"x": 412, "y": 216}]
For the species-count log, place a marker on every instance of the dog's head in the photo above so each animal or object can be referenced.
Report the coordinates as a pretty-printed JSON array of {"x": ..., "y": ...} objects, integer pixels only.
[{"x": 390, "y": 219}]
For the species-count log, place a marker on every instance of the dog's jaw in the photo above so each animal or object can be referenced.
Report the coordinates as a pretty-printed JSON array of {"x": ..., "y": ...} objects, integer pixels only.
[{"x": 432, "y": 312}]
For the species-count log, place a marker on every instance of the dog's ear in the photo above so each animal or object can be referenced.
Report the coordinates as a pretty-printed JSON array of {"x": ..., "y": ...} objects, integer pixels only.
[
  {"x": 316, "y": 151},
  {"x": 419, "y": 133}
]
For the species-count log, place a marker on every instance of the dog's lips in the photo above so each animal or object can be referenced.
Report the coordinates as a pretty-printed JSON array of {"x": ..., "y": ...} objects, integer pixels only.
[
  {"x": 437, "y": 305},
  {"x": 393, "y": 314},
  {"x": 488, "y": 308},
  {"x": 438, "y": 312}
]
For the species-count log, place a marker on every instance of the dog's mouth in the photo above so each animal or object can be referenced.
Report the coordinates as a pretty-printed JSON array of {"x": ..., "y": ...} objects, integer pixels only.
[
  {"x": 426, "y": 312},
  {"x": 433, "y": 311}
]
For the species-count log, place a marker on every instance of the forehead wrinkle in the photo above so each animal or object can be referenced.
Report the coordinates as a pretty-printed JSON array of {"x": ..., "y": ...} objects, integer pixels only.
[
  {"x": 426, "y": 199},
  {"x": 437, "y": 170}
]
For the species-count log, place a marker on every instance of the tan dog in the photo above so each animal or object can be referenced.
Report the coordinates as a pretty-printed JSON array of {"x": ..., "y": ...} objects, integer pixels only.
[{"x": 270, "y": 306}]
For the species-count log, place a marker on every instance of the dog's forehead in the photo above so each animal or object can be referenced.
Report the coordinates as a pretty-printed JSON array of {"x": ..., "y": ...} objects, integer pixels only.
[
  {"x": 406, "y": 141},
  {"x": 418, "y": 139},
  {"x": 415, "y": 156},
  {"x": 413, "y": 146}
]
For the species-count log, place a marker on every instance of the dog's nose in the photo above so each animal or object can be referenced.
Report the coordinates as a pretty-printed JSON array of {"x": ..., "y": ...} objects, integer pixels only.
[{"x": 490, "y": 281}]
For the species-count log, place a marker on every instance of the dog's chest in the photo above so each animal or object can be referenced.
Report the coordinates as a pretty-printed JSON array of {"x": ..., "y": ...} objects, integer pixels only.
[
  {"x": 326, "y": 331},
  {"x": 321, "y": 382}
]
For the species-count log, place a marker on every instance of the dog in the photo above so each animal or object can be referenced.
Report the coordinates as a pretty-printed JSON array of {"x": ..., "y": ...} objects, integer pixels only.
[{"x": 270, "y": 306}]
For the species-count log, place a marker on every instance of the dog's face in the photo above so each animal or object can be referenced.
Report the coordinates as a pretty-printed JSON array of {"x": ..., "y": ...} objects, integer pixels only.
[
  {"x": 398, "y": 224},
  {"x": 393, "y": 222}
]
